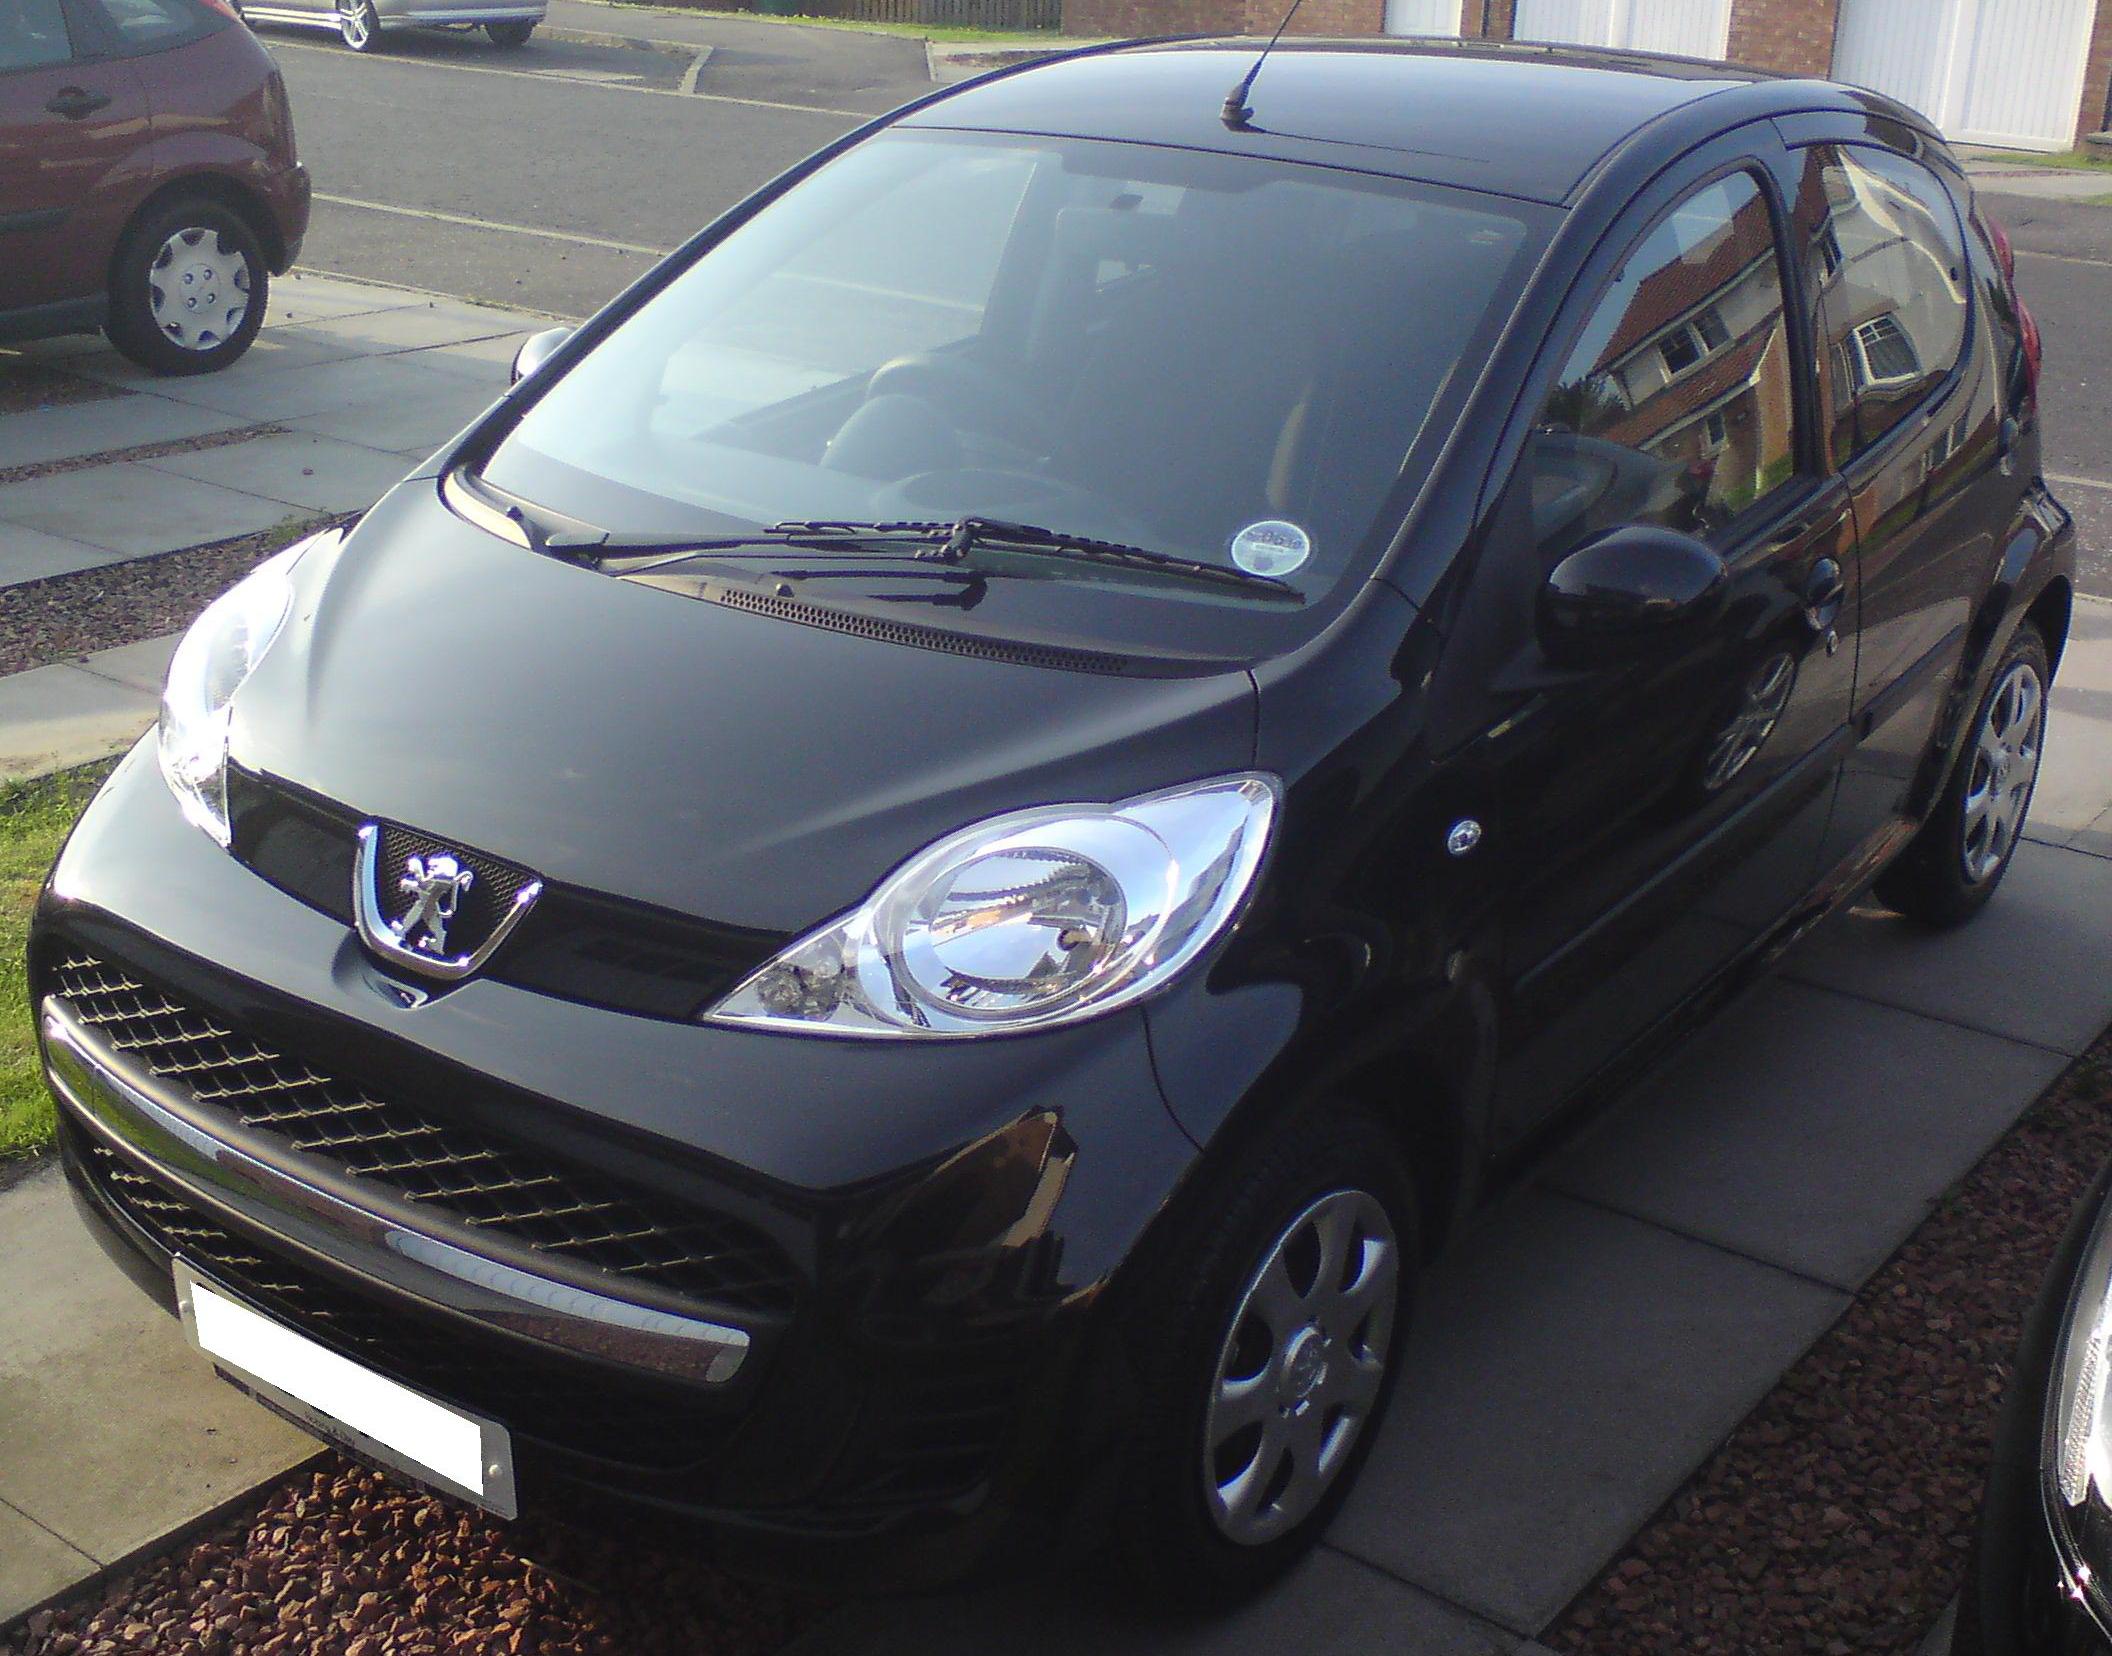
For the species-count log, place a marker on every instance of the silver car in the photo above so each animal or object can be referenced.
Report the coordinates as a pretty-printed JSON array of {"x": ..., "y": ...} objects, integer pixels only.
[{"x": 361, "y": 24}]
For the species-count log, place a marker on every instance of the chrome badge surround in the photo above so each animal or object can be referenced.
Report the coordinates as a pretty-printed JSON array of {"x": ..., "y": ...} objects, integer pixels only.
[{"x": 435, "y": 884}]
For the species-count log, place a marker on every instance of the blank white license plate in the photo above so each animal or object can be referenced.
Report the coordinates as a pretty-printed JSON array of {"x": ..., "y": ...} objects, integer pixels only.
[{"x": 348, "y": 1402}]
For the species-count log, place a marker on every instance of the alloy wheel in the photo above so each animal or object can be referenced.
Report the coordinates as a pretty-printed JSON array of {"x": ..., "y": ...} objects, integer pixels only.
[
  {"x": 356, "y": 22},
  {"x": 1302, "y": 1367},
  {"x": 1760, "y": 709},
  {"x": 198, "y": 288},
  {"x": 2005, "y": 764}
]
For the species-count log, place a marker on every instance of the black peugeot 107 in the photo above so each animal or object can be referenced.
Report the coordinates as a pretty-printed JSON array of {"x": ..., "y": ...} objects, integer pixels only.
[{"x": 896, "y": 904}]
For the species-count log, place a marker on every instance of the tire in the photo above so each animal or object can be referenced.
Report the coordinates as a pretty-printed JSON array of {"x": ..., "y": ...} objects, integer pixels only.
[
  {"x": 188, "y": 289},
  {"x": 359, "y": 25},
  {"x": 1951, "y": 868},
  {"x": 509, "y": 35},
  {"x": 1200, "y": 1313}
]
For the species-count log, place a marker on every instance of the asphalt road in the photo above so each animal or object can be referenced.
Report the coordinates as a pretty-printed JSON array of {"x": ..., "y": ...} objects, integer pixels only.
[
  {"x": 550, "y": 176},
  {"x": 2064, "y": 269}
]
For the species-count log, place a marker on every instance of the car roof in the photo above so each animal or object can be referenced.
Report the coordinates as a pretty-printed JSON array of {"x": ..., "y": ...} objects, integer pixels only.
[{"x": 1512, "y": 119}]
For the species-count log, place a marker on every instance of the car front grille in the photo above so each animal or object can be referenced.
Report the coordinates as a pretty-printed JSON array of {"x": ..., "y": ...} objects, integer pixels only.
[
  {"x": 542, "y": 1398},
  {"x": 465, "y": 1175}
]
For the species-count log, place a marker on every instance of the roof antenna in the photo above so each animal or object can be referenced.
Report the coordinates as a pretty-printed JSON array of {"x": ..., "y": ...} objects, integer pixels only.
[{"x": 1237, "y": 113}]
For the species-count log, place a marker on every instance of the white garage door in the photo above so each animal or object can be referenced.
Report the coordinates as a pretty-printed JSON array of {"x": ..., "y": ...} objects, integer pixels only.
[
  {"x": 1422, "y": 17},
  {"x": 2004, "y": 72},
  {"x": 1693, "y": 28}
]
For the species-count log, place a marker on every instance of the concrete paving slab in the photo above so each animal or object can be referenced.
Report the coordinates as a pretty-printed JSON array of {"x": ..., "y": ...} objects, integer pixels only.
[
  {"x": 134, "y": 509},
  {"x": 53, "y": 717},
  {"x": 78, "y": 429},
  {"x": 1808, "y": 1129},
  {"x": 35, "y": 1565},
  {"x": 1570, "y": 1368},
  {"x": 411, "y": 327},
  {"x": 306, "y": 297},
  {"x": 411, "y": 427},
  {"x": 1330, "y": 1603},
  {"x": 325, "y": 387},
  {"x": 319, "y": 473},
  {"x": 2095, "y": 839},
  {"x": 113, "y": 1431},
  {"x": 2074, "y": 789},
  {"x": 31, "y": 555},
  {"x": 2033, "y": 965},
  {"x": 276, "y": 350},
  {"x": 142, "y": 666}
]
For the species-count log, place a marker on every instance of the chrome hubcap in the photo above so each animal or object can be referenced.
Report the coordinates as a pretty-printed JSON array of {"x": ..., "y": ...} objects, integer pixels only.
[
  {"x": 352, "y": 21},
  {"x": 198, "y": 288},
  {"x": 2005, "y": 765},
  {"x": 1301, "y": 1368}
]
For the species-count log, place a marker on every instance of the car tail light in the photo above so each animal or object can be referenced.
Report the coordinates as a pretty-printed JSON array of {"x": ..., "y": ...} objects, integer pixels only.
[
  {"x": 2028, "y": 337},
  {"x": 2005, "y": 255}
]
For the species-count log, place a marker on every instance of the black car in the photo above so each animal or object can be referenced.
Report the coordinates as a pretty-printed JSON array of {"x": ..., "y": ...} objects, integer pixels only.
[
  {"x": 894, "y": 905},
  {"x": 2038, "y": 1584}
]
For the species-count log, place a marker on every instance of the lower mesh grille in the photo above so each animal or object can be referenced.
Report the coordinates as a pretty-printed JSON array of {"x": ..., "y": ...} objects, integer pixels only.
[
  {"x": 466, "y": 1175},
  {"x": 590, "y": 1414}
]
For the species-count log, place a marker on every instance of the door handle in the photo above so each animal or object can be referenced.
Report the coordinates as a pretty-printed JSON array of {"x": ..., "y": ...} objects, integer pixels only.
[
  {"x": 1825, "y": 588},
  {"x": 77, "y": 103}
]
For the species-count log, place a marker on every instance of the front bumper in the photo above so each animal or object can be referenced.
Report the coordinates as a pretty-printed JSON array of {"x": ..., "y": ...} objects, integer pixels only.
[{"x": 945, "y": 1219}]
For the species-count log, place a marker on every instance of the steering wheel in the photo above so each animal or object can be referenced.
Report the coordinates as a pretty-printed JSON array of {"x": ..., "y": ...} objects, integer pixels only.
[
  {"x": 1023, "y": 497},
  {"x": 970, "y": 394}
]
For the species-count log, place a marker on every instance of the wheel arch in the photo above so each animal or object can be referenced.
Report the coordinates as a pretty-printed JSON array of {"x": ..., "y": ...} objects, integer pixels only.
[{"x": 222, "y": 191}]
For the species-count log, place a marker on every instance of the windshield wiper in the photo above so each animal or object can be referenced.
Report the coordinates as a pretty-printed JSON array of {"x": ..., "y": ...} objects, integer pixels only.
[{"x": 956, "y": 542}]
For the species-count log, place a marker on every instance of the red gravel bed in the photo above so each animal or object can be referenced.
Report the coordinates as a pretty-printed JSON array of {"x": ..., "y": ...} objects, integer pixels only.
[
  {"x": 65, "y": 616},
  {"x": 342, "y": 1562},
  {"x": 1836, "y": 1519}
]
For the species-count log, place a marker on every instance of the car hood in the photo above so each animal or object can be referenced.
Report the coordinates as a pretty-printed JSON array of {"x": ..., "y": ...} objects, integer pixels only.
[{"x": 739, "y": 768}]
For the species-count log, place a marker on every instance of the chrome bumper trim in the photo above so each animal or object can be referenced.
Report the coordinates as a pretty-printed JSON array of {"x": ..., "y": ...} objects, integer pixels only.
[
  {"x": 148, "y": 1120},
  {"x": 434, "y": 17}
]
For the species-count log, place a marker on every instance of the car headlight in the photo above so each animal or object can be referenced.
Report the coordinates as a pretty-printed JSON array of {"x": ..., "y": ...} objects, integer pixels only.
[
  {"x": 1035, "y": 918},
  {"x": 221, "y": 650},
  {"x": 2082, "y": 1411}
]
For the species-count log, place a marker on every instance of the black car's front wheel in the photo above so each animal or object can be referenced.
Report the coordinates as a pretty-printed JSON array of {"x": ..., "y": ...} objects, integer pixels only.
[
  {"x": 1265, "y": 1340},
  {"x": 1953, "y": 865}
]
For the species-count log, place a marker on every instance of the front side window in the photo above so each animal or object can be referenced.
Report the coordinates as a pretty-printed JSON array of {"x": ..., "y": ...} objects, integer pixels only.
[
  {"x": 1174, "y": 350},
  {"x": 32, "y": 35},
  {"x": 1893, "y": 299},
  {"x": 1675, "y": 405}
]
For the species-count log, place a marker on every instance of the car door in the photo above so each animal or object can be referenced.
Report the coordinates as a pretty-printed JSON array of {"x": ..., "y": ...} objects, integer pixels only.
[
  {"x": 67, "y": 118},
  {"x": 1661, "y": 813},
  {"x": 1914, "y": 422}
]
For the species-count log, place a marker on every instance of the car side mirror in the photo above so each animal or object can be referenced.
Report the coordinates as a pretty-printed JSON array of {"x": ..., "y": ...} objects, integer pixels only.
[
  {"x": 1625, "y": 591},
  {"x": 536, "y": 350}
]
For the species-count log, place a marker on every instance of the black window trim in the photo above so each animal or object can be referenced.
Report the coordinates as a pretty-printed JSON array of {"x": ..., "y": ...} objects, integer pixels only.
[
  {"x": 98, "y": 40},
  {"x": 1857, "y": 469}
]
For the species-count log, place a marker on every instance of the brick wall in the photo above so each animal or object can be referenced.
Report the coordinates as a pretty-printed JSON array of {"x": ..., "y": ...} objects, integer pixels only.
[
  {"x": 1794, "y": 37},
  {"x": 1318, "y": 17},
  {"x": 2098, "y": 77},
  {"x": 1154, "y": 17}
]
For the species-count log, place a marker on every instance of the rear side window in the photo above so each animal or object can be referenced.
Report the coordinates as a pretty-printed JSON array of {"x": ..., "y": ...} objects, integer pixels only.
[
  {"x": 151, "y": 25},
  {"x": 1675, "y": 405},
  {"x": 1893, "y": 296},
  {"x": 32, "y": 35}
]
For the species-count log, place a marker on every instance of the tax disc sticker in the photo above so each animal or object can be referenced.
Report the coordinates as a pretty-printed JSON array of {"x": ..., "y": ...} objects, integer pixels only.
[{"x": 1271, "y": 547}]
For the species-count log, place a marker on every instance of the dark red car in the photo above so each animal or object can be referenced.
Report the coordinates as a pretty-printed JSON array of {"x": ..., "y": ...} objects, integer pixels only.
[{"x": 148, "y": 184}]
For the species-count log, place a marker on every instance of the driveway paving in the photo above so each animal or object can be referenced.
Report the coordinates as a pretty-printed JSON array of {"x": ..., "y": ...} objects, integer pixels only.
[
  {"x": 1717, "y": 1147},
  {"x": 131, "y": 510},
  {"x": 320, "y": 474}
]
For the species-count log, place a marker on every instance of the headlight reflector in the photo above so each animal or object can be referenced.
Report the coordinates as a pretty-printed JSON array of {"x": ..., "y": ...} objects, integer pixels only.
[
  {"x": 1035, "y": 918},
  {"x": 219, "y": 652}
]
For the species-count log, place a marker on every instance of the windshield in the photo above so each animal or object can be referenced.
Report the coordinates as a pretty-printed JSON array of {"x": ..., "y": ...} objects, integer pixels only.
[{"x": 1215, "y": 357}]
